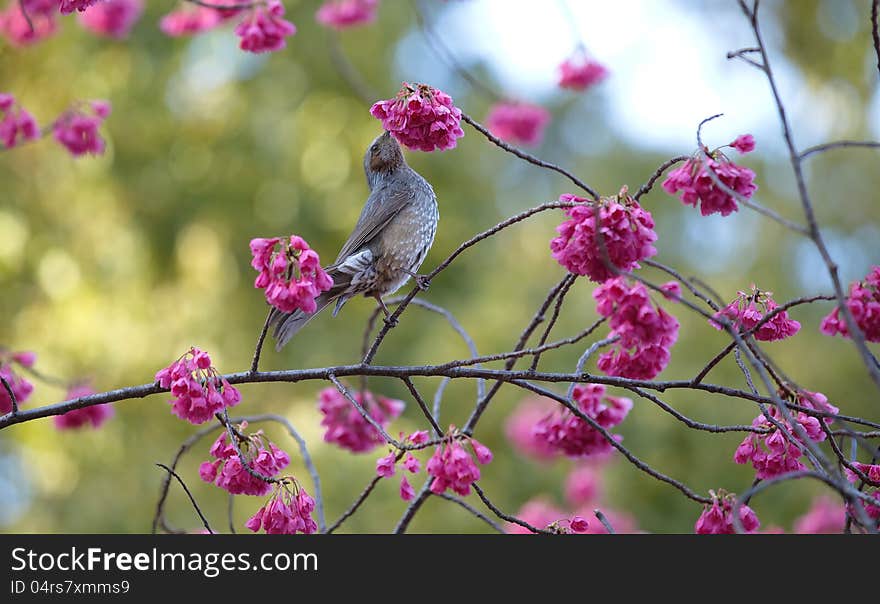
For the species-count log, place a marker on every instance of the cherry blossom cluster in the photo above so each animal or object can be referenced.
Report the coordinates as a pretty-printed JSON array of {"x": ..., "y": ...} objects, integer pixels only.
[
  {"x": 520, "y": 428},
  {"x": 288, "y": 511},
  {"x": 345, "y": 426},
  {"x": 93, "y": 415},
  {"x": 863, "y": 303},
  {"x": 344, "y": 14},
  {"x": 774, "y": 453},
  {"x": 615, "y": 230},
  {"x": 21, "y": 388},
  {"x": 697, "y": 180},
  {"x": 386, "y": 466},
  {"x": 645, "y": 332},
  {"x": 228, "y": 470},
  {"x": 572, "y": 436},
  {"x": 18, "y": 125},
  {"x": 290, "y": 273},
  {"x": 518, "y": 122},
  {"x": 872, "y": 472},
  {"x": 749, "y": 308},
  {"x": 76, "y": 129},
  {"x": 30, "y": 21},
  {"x": 717, "y": 518},
  {"x": 451, "y": 465},
  {"x": 421, "y": 118},
  {"x": 199, "y": 390},
  {"x": 580, "y": 71}
]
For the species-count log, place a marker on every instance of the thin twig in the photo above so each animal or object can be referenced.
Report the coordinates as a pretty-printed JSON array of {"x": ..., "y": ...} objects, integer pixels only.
[
  {"x": 255, "y": 364},
  {"x": 188, "y": 494}
]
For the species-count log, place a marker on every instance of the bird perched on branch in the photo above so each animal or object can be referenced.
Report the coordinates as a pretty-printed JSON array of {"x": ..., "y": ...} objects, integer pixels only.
[{"x": 389, "y": 243}]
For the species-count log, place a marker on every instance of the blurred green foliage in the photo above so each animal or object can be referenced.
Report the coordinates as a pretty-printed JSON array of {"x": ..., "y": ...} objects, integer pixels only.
[{"x": 111, "y": 267}]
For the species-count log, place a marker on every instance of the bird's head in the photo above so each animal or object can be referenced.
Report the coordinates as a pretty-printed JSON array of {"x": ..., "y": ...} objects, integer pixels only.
[{"x": 383, "y": 155}]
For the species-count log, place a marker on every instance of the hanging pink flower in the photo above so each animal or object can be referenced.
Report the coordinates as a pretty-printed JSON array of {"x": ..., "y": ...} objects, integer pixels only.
[
  {"x": 627, "y": 234},
  {"x": 453, "y": 467},
  {"x": 290, "y": 272},
  {"x": 863, "y": 303},
  {"x": 264, "y": 29},
  {"x": 421, "y": 118},
  {"x": 112, "y": 18},
  {"x": 68, "y": 6},
  {"x": 17, "y": 125},
  {"x": 94, "y": 415},
  {"x": 580, "y": 71},
  {"x": 773, "y": 453},
  {"x": 518, "y": 123},
  {"x": 696, "y": 185},
  {"x": 77, "y": 128},
  {"x": 748, "y": 309},
  {"x": 199, "y": 390},
  {"x": 229, "y": 473},
  {"x": 344, "y": 424},
  {"x": 717, "y": 518},
  {"x": 646, "y": 333},
  {"x": 288, "y": 511},
  {"x": 343, "y": 14},
  {"x": 575, "y": 437}
]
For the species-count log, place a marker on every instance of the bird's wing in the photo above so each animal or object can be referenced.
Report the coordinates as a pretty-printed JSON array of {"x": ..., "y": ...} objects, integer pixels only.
[{"x": 381, "y": 206}]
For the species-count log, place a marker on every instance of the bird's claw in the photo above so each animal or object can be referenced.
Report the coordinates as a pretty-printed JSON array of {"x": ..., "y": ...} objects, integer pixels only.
[
  {"x": 422, "y": 281},
  {"x": 390, "y": 321}
]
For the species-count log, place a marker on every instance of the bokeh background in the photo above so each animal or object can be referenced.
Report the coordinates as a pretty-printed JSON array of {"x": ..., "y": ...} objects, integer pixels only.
[{"x": 111, "y": 267}]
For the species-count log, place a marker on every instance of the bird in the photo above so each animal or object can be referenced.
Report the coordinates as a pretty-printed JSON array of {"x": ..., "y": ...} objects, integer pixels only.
[{"x": 390, "y": 240}]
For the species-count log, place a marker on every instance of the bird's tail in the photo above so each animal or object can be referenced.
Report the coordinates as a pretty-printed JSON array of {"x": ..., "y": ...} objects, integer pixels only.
[{"x": 288, "y": 324}]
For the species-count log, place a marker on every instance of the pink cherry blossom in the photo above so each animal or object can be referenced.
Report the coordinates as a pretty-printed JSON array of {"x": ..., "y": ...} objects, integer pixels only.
[
  {"x": 520, "y": 425},
  {"x": 453, "y": 467},
  {"x": 68, "y": 6},
  {"x": 14, "y": 26},
  {"x": 421, "y": 118},
  {"x": 772, "y": 454},
  {"x": 77, "y": 128},
  {"x": 717, "y": 518},
  {"x": 17, "y": 125},
  {"x": 578, "y": 524},
  {"x": 198, "y": 389},
  {"x": 407, "y": 493},
  {"x": 21, "y": 388},
  {"x": 385, "y": 466},
  {"x": 519, "y": 123},
  {"x": 344, "y": 424},
  {"x": 94, "y": 415},
  {"x": 583, "y": 485},
  {"x": 288, "y": 511},
  {"x": 343, "y": 14},
  {"x": 646, "y": 333},
  {"x": 264, "y": 29},
  {"x": 825, "y": 516},
  {"x": 419, "y": 437},
  {"x": 579, "y": 72},
  {"x": 863, "y": 303},
  {"x": 112, "y": 18},
  {"x": 696, "y": 185},
  {"x": 744, "y": 143},
  {"x": 290, "y": 273},
  {"x": 187, "y": 21},
  {"x": 627, "y": 233},
  {"x": 228, "y": 472},
  {"x": 575, "y": 437},
  {"x": 747, "y": 310},
  {"x": 411, "y": 463}
]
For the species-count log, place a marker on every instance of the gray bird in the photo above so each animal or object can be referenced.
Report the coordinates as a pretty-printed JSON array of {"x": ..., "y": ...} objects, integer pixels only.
[{"x": 389, "y": 243}]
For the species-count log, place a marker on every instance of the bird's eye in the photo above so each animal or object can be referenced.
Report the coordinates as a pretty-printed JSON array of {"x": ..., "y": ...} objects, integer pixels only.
[{"x": 374, "y": 148}]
